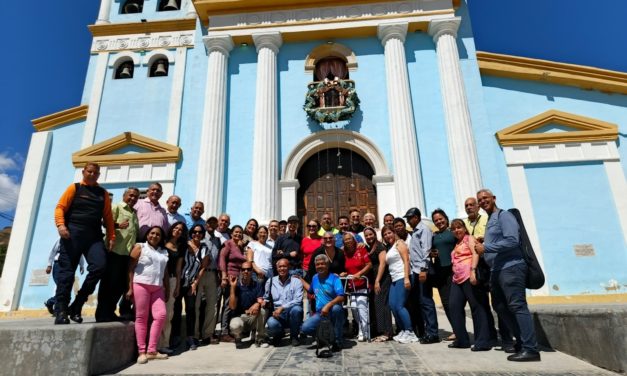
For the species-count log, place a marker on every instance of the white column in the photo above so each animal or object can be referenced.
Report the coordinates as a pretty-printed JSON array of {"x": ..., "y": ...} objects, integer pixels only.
[
  {"x": 103, "y": 13},
  {"x": 94, "y": 100},
  {"x": 407, "y": 175},
  {"x": 289, "y": 189},
  {"x": 619, "y": 190},
  {"x": 210, "y": 177},
  {"x": 191, "y": 11},
  {"x": 386, "y": 195},
  {"x": 176, "y": 96},
  {"x": 265, "y": 142},
  {"x": 26, "y": 212},
  {"x": 461, "y": 145}
]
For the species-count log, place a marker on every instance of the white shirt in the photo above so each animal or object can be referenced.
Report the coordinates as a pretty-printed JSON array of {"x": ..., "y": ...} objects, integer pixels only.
[
  {"x": 151, "y": 265},
  {"x": 395, "y": 263},
  {"x": 262, "y": 256}
]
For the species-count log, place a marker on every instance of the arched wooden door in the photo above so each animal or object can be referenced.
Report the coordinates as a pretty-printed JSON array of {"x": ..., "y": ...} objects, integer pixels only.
[{"x": 336, "y": 181}]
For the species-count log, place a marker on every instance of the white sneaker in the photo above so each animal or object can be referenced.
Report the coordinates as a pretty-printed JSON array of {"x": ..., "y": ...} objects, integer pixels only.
[
  {"x": 406, "y": 338},
  {"x": 411, "y": 336},
  {"x": 399, "y": 336}
]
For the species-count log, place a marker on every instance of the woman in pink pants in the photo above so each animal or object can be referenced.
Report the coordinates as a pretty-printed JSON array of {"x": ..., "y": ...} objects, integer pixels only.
[{"x": 148, "y": 287}]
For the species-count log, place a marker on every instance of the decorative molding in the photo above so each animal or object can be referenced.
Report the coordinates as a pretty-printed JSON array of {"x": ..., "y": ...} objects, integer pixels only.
[
  {"x": 330, "y": 50},
  {"x": 271, "y": 41},
  {"x": 143, "y": 42},
  {"x": 120, "y": 57},
  {"x": 586, "y": 130},
  {"x": 560, "y": 153},
  {"x": 153, "y": 55},
  {"x": 105, "y": 30},
  {"x": 136, "y": 173},
  {"x": 338, "y": 138},
  {"x": 439, "y": 27},
  {"x": 524, "y": 68},
  {"x": 388, "y": 31},
  {"x": 159, "y": 152},
  {"x": 222, "y": 43},
  {"x": 60, "y": 118}
]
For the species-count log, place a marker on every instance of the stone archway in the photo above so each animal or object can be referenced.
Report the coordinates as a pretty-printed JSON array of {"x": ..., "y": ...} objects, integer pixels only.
[{"x": 338, "y": 138}]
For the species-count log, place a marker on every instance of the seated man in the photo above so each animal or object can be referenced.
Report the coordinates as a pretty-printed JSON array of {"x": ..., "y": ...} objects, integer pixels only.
[
  {"x": 329, "y": 294},
  {"x": 285, "y": 296},
  {"x": 245, "y": 302}
]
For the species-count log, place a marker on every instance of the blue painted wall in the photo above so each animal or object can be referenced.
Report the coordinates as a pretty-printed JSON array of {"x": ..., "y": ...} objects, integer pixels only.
[{"x": 573, "y": 204}]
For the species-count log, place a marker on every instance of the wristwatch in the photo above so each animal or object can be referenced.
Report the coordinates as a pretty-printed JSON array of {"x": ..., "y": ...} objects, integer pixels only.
[{"x": 424, "y": 269}]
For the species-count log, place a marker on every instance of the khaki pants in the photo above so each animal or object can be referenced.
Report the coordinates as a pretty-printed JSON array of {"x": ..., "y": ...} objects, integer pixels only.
[
  {"x": 164, "y": 340},
  {"x": 249, "y": 323},
  {"x": 208, "y": 285}
]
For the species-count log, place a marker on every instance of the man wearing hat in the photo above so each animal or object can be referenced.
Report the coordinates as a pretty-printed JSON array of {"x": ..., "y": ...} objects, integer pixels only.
[
  {"x": 421, "y": 292},
  {"x": 287, "y": 246}
]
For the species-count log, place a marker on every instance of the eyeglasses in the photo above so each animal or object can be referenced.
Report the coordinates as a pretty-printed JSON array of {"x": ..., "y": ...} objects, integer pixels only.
[
  {"x": 197, "y": 232},
  {"x": 327, "y": 238},
  {"x": 247, "y": 269},
  {"x": 312, "y": 226}
]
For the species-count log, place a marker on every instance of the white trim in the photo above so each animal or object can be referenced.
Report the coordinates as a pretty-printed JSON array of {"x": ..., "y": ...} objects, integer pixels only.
[
  {"x": 103, "y": 12},
  {"x": 161, "y": 172},
  {"x": 28, "y": 201},
  {"x": 176, "y": 97},
  {"x": 94, "y": 100},
  {"x": 118, "y": 58},
  {"x": 382, "y": 179},
  {"x": 172, "y": 39},
  {"x": 618, "y": 186},
  {"x": 153, "y": 55},
  {"x": 522, "y": 201},
  {"x": 516, "y": 157}
]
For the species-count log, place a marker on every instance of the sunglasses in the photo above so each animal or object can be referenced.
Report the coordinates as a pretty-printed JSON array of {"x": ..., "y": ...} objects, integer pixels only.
[
  {"x": 197, "y": 232},
  {"x": 312, "y": 226},
  {"x": 327, "y": 238},
  {"x": 247, "y": 269}
]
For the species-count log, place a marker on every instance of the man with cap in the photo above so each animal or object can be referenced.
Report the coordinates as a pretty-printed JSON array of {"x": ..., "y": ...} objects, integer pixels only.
[
  {"x": 421, "y": 292},
  {"x": 288, "y": 247}
]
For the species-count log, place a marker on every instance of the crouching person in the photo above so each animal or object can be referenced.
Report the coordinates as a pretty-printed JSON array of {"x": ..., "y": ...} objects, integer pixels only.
[
  {"x": 246, "y": 302},
  {"x": 284, "y": 295},
  {"x": 329, "y": 294}
]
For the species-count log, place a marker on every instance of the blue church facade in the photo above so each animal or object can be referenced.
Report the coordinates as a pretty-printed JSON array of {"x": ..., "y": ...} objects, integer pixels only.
[{"x": 436, "y": 121}]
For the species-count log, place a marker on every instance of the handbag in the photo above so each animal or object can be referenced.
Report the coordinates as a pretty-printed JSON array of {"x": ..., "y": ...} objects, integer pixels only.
[{"x": 535, "y": 276}]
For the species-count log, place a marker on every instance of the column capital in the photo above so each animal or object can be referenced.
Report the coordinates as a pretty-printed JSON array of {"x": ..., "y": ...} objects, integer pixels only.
[
  {"x": 388, "y": 31},
  {"x": 222, "y": 43},
  {"x": 271, "y": 40},
  {"x": 440, "y": 27}
]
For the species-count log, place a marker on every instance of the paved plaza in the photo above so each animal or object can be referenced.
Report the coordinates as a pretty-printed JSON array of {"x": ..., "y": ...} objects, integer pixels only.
[{"x": 389, "y": 358}]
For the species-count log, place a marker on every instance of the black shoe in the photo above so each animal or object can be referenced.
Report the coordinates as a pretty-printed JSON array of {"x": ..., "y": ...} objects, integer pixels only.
[
  {"x": 238, "y": 343},
  {"x": 525, "y": 356},
  {"x": 113, "y": 318},
  {"x": 455, "y": 345},
  {"x": 426, "y": 340},
  {"x": 477, "y": 348},
  {"x": 337, "y": 347},
  {"x": 75, "y": 314},
  {"x": 276, "y": 342},
  {"x": 295, "y": 342},
  {"x": 49, "y": 306},
  {"x": 511, "y": 348},
  {"x": 61, "y": 319}
]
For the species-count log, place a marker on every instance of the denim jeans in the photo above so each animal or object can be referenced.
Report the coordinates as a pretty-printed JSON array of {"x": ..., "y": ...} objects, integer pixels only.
[
  {"x": 423, "y": 294},
  {"x": 398, "y": 297},
  {"x": 290, "y": 317},
  {"x": 510, "y": 302},
  {"x": 337, "y": 319}
]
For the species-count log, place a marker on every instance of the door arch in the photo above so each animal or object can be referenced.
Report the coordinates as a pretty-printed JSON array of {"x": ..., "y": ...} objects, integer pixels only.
[{"x": 335, "y": 180}]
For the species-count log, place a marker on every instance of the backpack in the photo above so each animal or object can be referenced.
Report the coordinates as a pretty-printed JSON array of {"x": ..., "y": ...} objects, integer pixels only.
[
  {"x": 535, "y": 276},
  {"x": 325, "y": 337}
]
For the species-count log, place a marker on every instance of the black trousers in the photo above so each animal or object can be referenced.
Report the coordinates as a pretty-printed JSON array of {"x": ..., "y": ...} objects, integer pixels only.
[
  {"x": 442, "y": 281},
  {"x": 460, "y": 294},
  {"x": 113, "y": 286},
  {"x": 81, "y": 242},
  {"x": 190, "y": 310},
  {"x": 177, "y": 315}
]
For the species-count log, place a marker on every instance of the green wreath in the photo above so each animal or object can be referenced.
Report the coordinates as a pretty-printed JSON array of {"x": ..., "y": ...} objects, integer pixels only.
[{"x": 334, "y": 114}]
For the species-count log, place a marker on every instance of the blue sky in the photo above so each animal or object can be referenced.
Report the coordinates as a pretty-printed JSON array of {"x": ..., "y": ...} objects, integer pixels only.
[{"x": 48, "y": 49}]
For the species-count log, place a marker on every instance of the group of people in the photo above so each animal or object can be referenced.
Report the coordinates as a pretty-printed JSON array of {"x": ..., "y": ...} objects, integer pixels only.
[{"x": 264, "y": 280}]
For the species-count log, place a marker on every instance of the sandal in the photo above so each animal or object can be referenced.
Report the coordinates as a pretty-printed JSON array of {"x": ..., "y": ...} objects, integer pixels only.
[{"x": 381, "y": 339}]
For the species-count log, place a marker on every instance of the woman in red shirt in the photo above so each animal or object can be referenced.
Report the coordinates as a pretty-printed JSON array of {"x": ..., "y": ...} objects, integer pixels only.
[
  {"x": 357, "y": 265},
  {"x": 311, "y": 242}
]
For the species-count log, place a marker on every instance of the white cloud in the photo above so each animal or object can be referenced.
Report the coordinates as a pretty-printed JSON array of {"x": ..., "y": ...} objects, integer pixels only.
[
  {"x": 10, "y": 163},
  {"x": 9, "y": 189}
]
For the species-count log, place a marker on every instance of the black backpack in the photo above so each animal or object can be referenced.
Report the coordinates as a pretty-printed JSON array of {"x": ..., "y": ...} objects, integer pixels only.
[
  {"x": 535, "y": 275},
  {"x": 325, "y": 337}
]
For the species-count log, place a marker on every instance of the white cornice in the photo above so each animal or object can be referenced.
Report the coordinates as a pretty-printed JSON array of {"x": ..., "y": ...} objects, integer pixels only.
[{"x": 143, "y": 42}]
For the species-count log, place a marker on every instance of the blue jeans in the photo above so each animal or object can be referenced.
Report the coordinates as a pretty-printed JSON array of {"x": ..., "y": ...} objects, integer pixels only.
[
  {"x": 290, "y": 317},
  {"x": 510, "y": 302},
  {"x": 337, "y": 318},
  {"x": 398, "y": 297},
  {"x": 422, "y": 293}
]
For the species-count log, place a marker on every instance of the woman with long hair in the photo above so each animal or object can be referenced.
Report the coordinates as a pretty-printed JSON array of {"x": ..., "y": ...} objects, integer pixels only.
[
  {"x": 250, "y": 230},
  {"x": 357, "y": 264},
  {"x": 380, "y": 315},
  {"x": 232, "y": 257},
  {"x": 148, "y": 287},
  {"x": 259, "y": 253},
  {"x": 175, "y": 245},
  {"x": 440, "y": 255},
  {"x": 465, "y": 260}
]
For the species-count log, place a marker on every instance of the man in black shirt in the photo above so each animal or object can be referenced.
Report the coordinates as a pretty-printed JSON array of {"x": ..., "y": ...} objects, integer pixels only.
[{"x": 288, "y": 247}]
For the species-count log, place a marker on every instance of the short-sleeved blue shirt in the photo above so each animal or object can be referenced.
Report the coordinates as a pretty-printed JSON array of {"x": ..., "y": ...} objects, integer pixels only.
[{"x": 326, "y": 290}]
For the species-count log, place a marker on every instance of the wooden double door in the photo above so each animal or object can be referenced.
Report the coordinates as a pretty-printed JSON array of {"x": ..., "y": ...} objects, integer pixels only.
[{"x": 335, "y": 181}]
